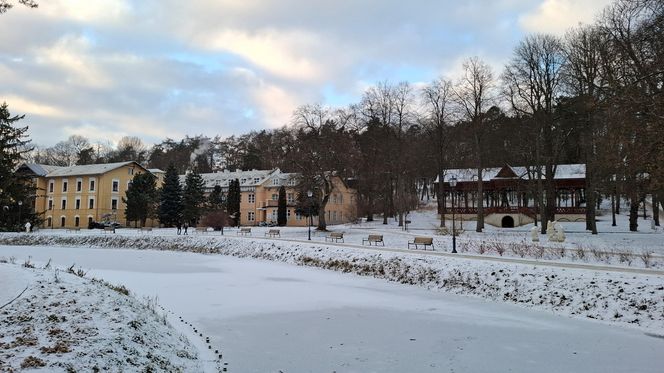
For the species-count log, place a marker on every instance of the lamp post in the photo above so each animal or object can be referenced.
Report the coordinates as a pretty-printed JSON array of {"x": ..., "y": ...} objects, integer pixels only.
[
  {"x": 20, "y": 204},
  {"x": 453, "y": 183},
  {"x": 309, "y": 194}
]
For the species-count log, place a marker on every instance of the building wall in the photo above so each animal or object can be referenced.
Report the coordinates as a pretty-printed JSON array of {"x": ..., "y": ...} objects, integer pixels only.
[
  {"x": 103, "y": 195},
  {"x": 260, "y": 204}
]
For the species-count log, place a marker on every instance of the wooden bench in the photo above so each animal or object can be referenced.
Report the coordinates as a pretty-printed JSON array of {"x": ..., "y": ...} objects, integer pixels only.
[
  {"x": 421, "y": 241},
  {"x": 201, "y": 229},
  {"x": 75, "y": 230},
  {"x": 244, "y": 231},
  {"x": 145, "y": 230},
  {"x": 273, "y": 233},
  {"x": 375, "y": 238},
  {"x": 335, "y": 236},
  {"x": 108, "y": 230}
]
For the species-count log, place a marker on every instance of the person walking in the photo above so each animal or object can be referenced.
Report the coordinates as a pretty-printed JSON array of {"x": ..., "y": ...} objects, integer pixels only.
[
  {"x": 179, "y": 228},
  {"x": 186, "y": 225}
]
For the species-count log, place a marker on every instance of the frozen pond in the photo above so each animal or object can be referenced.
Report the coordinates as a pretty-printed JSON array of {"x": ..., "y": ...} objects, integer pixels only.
[{"x": 270, "y": 316}]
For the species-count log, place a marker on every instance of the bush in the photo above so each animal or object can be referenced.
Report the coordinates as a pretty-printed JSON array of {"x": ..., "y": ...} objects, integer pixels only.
[{"x": 216, "y": 219}]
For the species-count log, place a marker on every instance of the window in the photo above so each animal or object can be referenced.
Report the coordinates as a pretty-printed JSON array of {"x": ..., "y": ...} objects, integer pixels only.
[
  {"x": 79, "y": 185},
  {"x": 275, "y": 197},
  {"x": 288, "y": 214},
  {"x": 334, "y": 216},
  {"x": 291, "y": 182},
  {"x": 51, "y": 184},
  {"x": 64, "y": 203},
  {"x": 243, "y": 181},
  {"x": 49, "y": 222},
  {"x": 341, "y": 199},
  {"x": 251, "y": 198},
  {"x": 92, "y": 184},
  {"x": 334, "y": 198},
  {"x": 62, "y": 221},
  {"x": 290, "y": 197},
  {"x": 91, "y": 203},
  {"x": 130, "y": 171},
  {"x": 275, "y": 182},
  {"x": 115, "y": 185},
  {"x": 251, "y": 215},
  {"x": 65, "y": 184},
  {"x": 256, "y": 180},
  {"x": 114, "y": 204},
  {"x": 89, "y": 220},
  {"x": 77, "y": 204},
  {"x": 50, "y": 204},
  {"x": 77, "y": 221},
  {"x": 298, "y": 216},
  {"x": 274, "y": 216}
]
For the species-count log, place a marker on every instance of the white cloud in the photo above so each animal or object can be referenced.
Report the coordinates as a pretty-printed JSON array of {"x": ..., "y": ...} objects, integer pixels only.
[{"x": 557, "y": 16}]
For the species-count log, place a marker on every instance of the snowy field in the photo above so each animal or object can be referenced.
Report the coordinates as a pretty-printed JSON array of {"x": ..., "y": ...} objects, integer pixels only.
[
  {"x": 269, "y": 317},
  {"x": 61, "y": 322},
  {"x": 593, "y": 303}
]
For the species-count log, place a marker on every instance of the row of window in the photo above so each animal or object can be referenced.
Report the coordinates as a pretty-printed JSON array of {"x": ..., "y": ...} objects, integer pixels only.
[
  {"x": 331, "y": 215},
  {"x": 115, "y": 185},
  {"x": 77, "y": 204},
  {"x": 63, "y": 221}
]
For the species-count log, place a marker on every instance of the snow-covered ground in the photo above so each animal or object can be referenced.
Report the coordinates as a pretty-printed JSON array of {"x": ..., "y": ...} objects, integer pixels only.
[
  {"x": 269, "y": 317},
  {"x": 65, "y": 323}
]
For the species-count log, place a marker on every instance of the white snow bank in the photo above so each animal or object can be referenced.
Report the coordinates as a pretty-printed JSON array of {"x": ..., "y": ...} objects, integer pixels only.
[
  {"x": 67, "y": 323},
  {"x": 614, "y": 297}
]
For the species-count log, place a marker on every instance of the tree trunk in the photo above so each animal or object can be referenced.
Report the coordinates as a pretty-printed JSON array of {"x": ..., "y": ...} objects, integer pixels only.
[
  {"x": 655, "y": 208},
  {"x": 480, "y": 205},
  {"x": 633, "y": 212},
  {"x": 441, "y": 200}
]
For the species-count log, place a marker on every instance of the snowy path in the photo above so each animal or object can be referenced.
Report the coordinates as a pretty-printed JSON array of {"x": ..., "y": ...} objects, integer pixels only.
[
  {"x": 593, "y": 267},
  {"x": 271, "y": 316}
]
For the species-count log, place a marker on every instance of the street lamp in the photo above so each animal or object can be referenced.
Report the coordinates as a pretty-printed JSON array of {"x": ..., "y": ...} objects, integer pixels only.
[
  {"x": 309, "y": 194},
  {"x": 453, "y": 183},
  {"x": 20, "y": 204}
]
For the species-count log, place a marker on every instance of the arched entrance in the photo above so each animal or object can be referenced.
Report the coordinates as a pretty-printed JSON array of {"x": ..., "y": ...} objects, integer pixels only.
[{"x": 507, "y": 222}]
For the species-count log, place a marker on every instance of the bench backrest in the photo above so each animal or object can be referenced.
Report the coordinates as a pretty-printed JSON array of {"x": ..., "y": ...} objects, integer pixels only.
[
  {"x": 375, "y": 237},
  {"x": 336, "y": 234},
  {"x": 204, "y": 229},
  {"x": 423, "y": 240},
  {"x": 109, "y": 228},
  {"x": 245, "y": 229},
  {"x": 273, "y": 231}
]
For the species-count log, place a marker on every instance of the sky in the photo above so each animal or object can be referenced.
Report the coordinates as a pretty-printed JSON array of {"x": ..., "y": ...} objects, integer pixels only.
[{"x": 161, "y": 69}]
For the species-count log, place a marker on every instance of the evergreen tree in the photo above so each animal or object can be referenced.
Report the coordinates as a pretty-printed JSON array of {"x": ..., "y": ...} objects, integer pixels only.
[
  {"x": 141, "y": 198},
  {"x": 15, "y": 188},
  {"x": 170, "y": 198},
  {"x": 282, "y": 217},
  {"x": 233, "y": 201},
  {"x": 193, "y": 197},
  {"x": 215, "y": 200}
]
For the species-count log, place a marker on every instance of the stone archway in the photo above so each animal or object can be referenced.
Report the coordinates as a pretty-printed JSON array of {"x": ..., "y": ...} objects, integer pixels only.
[{"x": 507, "y": 222}]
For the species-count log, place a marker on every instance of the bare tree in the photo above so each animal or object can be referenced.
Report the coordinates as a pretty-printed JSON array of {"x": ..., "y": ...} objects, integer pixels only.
[{"x": 474, "y": 95}]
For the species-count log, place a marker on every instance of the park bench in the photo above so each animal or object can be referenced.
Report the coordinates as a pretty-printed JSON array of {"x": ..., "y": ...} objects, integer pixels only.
[
  {"x": 201, "y": 229},
  {"x": 75, "y": 230},
  {"x": 244, "y": 231},
  {"x": 421, "y": 241},
  {"x": 375, "y": 238},
  {"x": 145, "y": 230},
  {"x": 273, "y": 233},
  {"x": 335, "y": 236},
  {"x": 108, "y": 230}
]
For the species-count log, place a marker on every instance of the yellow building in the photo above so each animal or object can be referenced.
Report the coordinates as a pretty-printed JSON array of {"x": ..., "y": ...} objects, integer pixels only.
[
  {"x": 72, "y": 197},
  {"x": 260, "y": 194}
]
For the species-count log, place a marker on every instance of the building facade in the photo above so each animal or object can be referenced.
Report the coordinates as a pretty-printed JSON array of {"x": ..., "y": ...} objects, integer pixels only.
[
  {"x": 260, "y": 196},
  {"x": 72, "y": 197},
  {"x": 509, "y": 195}
]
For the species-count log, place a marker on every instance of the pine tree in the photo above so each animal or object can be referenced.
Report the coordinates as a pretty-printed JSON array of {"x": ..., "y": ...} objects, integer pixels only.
[
  {"x": 193, "y": 197},
  {"x": 15, "y": 188},
  {"x": 233, "y": 201},
  {"x": 170, "y": 198},
  {"x": 141, "y": 198},
  {"x": 282, "y": 217},
  {"x": 215, "y": 200}
]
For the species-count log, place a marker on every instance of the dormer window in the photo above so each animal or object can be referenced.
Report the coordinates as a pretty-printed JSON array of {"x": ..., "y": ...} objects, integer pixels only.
[
  {"x": 276, "y": 182},
  {"x": 256, "y": 180}
]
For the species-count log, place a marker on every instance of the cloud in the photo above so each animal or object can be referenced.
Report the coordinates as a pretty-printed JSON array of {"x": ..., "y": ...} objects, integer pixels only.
[
  {"x": 557, "y": 16},
  {"x": 167, "y": 68}
]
